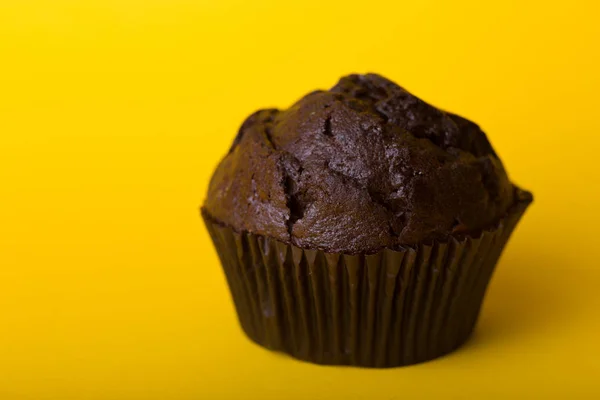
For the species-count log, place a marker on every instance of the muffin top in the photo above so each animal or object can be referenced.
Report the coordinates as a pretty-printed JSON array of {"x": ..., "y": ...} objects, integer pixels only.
[{"x": 362, "y": 166}]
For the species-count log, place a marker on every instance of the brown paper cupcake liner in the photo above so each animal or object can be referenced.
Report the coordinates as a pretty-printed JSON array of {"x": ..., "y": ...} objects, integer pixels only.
[{"x": 391, "y": 308}]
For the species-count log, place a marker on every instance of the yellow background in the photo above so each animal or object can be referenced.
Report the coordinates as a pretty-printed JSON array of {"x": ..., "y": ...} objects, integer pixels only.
[{"x": 114, "y": 113}]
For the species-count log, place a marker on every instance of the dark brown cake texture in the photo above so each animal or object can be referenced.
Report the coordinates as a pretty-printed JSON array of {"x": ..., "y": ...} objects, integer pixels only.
[
  {"x": 362, "y": 166},
  {"x": 361, "y": 226}
]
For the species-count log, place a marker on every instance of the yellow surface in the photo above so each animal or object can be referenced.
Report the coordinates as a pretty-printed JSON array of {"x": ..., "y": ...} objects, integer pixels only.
[{"x": 114, "y": 113}]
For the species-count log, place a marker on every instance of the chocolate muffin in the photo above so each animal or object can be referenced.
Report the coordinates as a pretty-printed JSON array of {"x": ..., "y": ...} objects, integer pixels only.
[{"x": 360, "y": 226}]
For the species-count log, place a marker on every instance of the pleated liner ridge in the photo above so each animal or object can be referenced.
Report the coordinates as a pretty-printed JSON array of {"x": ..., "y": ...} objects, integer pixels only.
[{"x": 386, "y": 309}]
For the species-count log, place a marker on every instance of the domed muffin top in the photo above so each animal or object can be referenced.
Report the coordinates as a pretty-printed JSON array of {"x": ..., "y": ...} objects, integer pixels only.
[{"x": 362, "y": 166}]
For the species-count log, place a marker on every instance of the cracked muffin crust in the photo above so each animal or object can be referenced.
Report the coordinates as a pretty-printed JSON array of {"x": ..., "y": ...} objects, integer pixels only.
[{"x": 362, "y": 166}]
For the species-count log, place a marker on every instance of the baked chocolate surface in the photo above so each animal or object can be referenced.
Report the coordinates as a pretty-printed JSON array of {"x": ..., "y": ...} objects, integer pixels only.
[{"x": 362, "y": 166}]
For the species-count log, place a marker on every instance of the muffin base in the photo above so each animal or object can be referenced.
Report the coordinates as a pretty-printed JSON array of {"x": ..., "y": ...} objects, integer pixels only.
[{"x": 387, "y": 309}]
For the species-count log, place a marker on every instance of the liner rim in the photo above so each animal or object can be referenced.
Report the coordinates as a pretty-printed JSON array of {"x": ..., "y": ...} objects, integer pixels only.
[{"x": 523, "y": 199}]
